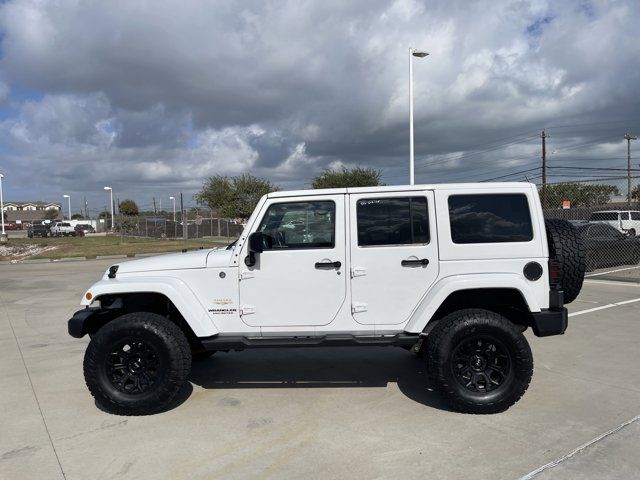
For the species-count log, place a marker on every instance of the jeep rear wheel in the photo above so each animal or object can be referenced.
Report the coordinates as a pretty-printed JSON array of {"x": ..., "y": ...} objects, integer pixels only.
[
  {"x": 479, "y": 361},
  {"x": 136, "y": 364}
]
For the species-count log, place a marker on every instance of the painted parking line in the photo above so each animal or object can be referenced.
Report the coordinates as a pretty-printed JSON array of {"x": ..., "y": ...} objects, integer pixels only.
[
  {"x": 611, "y": 271},
  {"x": 604, "y": 307}
]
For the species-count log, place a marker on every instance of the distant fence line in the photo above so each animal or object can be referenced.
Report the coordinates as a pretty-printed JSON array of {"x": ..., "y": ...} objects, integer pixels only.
[
  {"x": 160, "y": 227},
  {"x": 584, "y": 213}
]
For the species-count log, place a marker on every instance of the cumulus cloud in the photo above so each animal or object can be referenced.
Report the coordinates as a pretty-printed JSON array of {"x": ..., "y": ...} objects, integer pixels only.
[{"x": 155, "y": 97}]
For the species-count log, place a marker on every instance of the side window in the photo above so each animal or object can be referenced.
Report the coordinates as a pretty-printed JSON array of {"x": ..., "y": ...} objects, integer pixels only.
[
  {"x": 299, "y": 225},
  {"x": 392, "y": 221},
  {"x": 635, "y": 215},
  {"x": 490, "y": 218}
]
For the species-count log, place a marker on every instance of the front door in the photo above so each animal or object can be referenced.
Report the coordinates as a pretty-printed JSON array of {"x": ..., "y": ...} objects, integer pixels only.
[
  {"x": 299, "y": 279},
  {"x": 394, "y": 254}
]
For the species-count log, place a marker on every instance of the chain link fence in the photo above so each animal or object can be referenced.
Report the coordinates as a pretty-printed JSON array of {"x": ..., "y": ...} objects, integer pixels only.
[
  {"x": 608, "y": 219},
  {"x": 161, "y": 227}
]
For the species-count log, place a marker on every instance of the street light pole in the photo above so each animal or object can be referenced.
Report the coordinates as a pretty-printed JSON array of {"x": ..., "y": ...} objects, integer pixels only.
[
  {"x": 175, "y": 225},
  {"x": 68, "y": 197},
  {"x": 111, "y": 191},
  {"x": 174, "y": 207},
  {"x": 419, "y": 54},
  {"x": 4, "y": 235}
]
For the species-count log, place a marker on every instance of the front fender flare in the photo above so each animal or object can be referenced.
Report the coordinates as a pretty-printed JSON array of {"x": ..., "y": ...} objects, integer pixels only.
[
  {"x": 175, "y": 289},
  {"x": 448, "y": 285}
]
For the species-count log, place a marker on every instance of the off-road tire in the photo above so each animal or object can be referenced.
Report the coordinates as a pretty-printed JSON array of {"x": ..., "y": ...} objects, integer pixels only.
[
  {"x": 172, "y": 357},
  {"x": 567, "y": 249},
  {"x": 463, "y": 326}
]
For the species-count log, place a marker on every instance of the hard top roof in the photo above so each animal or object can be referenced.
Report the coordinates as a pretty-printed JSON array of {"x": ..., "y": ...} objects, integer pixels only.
[{"x": 405, "y": 188}]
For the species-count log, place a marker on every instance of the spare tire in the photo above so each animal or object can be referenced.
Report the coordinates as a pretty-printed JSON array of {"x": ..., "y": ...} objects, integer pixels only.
[{"x": 567, "y": 250}]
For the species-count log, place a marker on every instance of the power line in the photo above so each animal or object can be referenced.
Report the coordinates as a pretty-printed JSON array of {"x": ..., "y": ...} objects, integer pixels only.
[{"x": 510, "y": 174}]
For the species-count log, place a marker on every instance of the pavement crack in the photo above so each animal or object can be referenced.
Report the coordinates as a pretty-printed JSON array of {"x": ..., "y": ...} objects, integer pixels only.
[{"x": 579, "y": 449}]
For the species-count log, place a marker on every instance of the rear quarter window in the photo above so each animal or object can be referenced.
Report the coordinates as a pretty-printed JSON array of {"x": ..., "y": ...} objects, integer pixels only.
[{"x": 490, "y": 218}]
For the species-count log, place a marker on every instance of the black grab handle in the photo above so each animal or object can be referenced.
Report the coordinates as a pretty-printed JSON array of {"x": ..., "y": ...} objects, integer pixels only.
[
  {"x": 328, "y": 264},
  {"x": 407, "y": 263}
]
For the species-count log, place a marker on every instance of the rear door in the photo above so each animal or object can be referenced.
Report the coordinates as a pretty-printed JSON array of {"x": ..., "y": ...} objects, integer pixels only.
[{"x": 394, "y": 254}]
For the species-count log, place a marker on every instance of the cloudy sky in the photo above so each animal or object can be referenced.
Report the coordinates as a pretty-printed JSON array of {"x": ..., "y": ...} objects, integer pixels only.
[{"x": 152, "y": 97}]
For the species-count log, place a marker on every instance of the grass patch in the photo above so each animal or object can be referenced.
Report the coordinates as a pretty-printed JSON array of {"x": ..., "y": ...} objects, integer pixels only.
[{"x": 91, "y": 247}]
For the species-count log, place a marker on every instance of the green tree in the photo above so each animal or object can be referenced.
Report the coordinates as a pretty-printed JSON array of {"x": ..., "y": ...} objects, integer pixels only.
[
  {"x": 77, "y": 216},
  {"x": 354, "y": 177},
  {"x": 128, "y": 207},
  {"x": 50, "y": 214},
  {"x": 104, "y": 214},
  {"x": 233, "y": 197},
  {"x": 579, "y": 194}
]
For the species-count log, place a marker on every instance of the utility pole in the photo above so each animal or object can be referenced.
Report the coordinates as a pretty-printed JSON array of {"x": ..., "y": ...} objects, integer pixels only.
[
  {"x": 86, "y": 215},
  {"x": 544, "y": 137},
  {"x": 628, "y": 138},
  {"x": 154, "y": 206}
]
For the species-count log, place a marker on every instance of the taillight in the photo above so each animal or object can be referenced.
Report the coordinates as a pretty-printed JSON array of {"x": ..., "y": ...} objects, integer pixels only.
[{"x": 554, "y": 273}]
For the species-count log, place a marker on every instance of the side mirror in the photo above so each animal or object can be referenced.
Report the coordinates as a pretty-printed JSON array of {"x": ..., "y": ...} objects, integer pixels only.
[{"x": 256, "y": 240}]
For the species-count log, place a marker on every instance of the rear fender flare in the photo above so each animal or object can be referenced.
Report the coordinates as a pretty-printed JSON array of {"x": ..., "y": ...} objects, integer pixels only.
[{"x": 428, "y": 306}]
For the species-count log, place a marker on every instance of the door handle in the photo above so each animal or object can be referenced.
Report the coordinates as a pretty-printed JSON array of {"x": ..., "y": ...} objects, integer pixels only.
[
  {"x": 328, "y": 264},
  {"x": 409, "y": 263}
]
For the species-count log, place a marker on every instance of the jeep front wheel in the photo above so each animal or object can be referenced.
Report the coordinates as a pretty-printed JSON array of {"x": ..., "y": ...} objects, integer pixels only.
[
  {"x": 137, "y": 363},
  {"x": 479, "y": 361}
]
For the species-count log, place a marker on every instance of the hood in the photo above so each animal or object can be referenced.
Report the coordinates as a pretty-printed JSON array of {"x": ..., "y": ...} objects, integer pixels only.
[{"x": 178, "y": 261}]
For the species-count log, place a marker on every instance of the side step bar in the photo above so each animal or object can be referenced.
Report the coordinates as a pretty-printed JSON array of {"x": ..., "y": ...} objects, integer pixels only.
[{"x": 227, "y": 342}]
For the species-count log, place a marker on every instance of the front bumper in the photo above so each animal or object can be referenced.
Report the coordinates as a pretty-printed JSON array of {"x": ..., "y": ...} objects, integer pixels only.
[{"x": 86, "y": 321}]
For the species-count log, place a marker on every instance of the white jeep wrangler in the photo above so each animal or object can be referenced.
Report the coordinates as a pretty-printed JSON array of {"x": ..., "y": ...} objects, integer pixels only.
[{"x": 453, "y": 272}]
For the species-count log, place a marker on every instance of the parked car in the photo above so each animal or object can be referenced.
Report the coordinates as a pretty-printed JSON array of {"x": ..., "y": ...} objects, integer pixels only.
[
  {"x": 63, "y": 229},
  {"x": 10, "y": 226},
  {"x": 367, "y": 266},
  {"x": 606, "y": 246},
  {"x": 84, "y": 228},
  {"x": 38, "y": 230},
  {"x": 626, "y": 221}
]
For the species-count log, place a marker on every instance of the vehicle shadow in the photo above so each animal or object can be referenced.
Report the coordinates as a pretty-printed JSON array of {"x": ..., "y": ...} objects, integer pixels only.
[{"x": 318, "y": 367}]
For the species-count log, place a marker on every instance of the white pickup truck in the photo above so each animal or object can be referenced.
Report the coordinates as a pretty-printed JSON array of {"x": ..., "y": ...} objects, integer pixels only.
[
  {"x": 63, "y": 229},
  {"x": 454, "y": 273}
]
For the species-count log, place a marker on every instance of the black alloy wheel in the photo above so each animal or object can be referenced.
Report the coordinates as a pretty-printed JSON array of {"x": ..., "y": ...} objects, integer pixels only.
[
  {"x": 481, "y": 363},
  {"x": 133, "y": 366}
]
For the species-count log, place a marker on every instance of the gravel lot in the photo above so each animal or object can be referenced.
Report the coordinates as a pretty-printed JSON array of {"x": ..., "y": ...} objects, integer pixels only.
[{"x": 314, "y": 413}]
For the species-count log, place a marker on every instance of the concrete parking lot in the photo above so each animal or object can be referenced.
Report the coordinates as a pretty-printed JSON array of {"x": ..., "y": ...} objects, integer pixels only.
[{"x": 315, "y": 413}]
